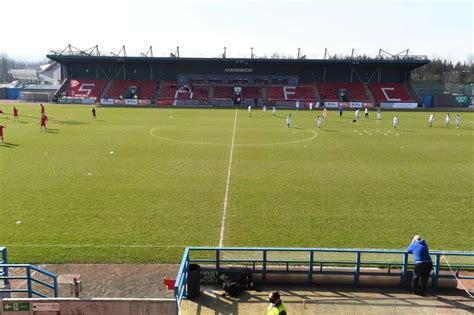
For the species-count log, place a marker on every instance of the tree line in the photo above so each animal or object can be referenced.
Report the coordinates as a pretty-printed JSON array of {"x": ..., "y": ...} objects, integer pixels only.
[
  {"x": 445, "y": 71},
  {"x": 7, "y": 63}
]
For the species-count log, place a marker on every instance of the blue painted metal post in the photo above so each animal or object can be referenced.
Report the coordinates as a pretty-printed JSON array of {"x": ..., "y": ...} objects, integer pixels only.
[
  {"x": 264, "y": 267},
  {"x": 310, "y": 273},
  {"x": 218, "y": 253},
  {"x": 357, "y": 273},
  {"x": 185, "y": 289},
  {"x": 55, "y": 283},
  {"x": 5, "y": 269},
  {"x": 436, "y": 273},
  {"x": 176, "y": 296},
  {"x": 28, "y": 281},
  {"x": 404, "y": 269}
]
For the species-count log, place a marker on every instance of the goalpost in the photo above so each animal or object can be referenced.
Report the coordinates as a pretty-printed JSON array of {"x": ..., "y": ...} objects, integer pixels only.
[{"x": 36, "y": 97}]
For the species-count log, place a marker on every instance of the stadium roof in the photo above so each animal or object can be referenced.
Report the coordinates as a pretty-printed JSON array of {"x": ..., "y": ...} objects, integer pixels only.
[
  {"x": 408, "y": 62},
  {"x": 93, "y": 54},
  {"x": 24, "y": 74}
]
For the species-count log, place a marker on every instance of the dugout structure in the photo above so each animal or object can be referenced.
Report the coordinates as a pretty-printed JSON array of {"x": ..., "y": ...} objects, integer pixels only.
[{"x": 172, "y": 81}]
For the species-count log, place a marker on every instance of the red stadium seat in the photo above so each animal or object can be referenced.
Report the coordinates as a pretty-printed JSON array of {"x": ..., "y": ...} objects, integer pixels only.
[
  {"x": 251, "y": 92},
  {"x": 86, "y": 88},
  {"x": 302, "y": 93},
  {"x": 173, "y": 90},
  {"x": 390, "y": 92},
  {"x": 329, "y": 91},
  {"x": 223, "y": 91},
  {"x": 275, "y": 92},
  {"x": 146, "y": 88}
]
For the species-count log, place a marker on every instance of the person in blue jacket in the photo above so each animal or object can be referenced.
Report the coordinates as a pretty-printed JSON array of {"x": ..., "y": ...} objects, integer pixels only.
[{"x": 423, "y": 264}]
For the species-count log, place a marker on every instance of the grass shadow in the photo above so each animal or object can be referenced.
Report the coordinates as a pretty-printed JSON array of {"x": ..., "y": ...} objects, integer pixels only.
[
  {"x": 50, "y": 130},
  {"x": 8, "y": 145},
  {"x": 69, "y": 122},
  {"x": 26, "y": 116}
]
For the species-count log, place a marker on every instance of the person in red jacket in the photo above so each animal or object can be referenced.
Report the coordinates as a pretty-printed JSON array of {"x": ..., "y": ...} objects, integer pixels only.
[
  {"x": 44, "y": 118},
  {"x": 1, "y": 132},
  {"x": 42, "y": 109},
  {"x": 15, "y": 113}
]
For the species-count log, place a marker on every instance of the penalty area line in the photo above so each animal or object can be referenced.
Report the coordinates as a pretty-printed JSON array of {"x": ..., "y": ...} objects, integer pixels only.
[{"x": 229, "y": 169}]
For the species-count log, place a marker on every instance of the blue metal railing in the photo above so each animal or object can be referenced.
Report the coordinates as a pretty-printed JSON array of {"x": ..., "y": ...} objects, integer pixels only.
[
  {"x": 265, "y": 266},
  {"x": 29, "y": 276},
  {"x": 4, "y": 260},
  {"x": 182, "y": 279}
]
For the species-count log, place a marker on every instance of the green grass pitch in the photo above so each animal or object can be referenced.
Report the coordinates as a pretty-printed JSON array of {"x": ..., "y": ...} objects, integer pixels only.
[{"x": 137, "y": 185}]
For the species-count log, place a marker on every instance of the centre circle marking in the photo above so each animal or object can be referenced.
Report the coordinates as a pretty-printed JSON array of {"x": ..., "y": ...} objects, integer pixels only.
[{"x": 153, "y": 134}]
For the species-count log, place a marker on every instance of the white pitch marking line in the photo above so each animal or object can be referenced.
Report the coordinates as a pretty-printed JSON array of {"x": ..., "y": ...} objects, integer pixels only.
[
  {"x": 97, "y": 245},
  {"x": 224, "y": 210},
  {"x": 315, "y": 134}
]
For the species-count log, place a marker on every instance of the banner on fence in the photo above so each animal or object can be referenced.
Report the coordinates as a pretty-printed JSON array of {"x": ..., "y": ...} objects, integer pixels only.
[
  {"x": 386, "y": 105},
  {"x": 131, "y": 102},
  {"x": 331, "y": 104},
  {"x": 107, "y": 101},
  {"x": 348, "y": 104},
  {"x": 111, "y": 101},
  {"x": 144, "y": 102},
  {"x": 64, "y": 100},
  {"x": 461, "y": 100}
]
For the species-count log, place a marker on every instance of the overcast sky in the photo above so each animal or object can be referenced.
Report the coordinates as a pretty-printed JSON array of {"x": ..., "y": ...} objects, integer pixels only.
[{"x": 31, "y": 28}]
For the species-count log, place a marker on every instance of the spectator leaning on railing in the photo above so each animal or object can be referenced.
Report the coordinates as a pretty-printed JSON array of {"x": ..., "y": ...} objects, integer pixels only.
[{"x": 423, "y": 264}]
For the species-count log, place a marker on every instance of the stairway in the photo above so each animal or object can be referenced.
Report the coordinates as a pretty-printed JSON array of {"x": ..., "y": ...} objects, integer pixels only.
[
  {"x": 263, "y": 94},
  {"x": 210, "y": 95},
  {"x": 316, "y": 93},
  {"x": 157, "y": 93},
  {"x": 62, "y": 88},
  {"x": 106, "y": 89},
  {"x": 412, "y": 93},
  {"x": 369, "y": 92}
]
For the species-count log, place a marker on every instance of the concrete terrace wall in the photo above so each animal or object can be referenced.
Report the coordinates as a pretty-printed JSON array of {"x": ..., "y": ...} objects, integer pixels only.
[{"x": 96, "y": 306}]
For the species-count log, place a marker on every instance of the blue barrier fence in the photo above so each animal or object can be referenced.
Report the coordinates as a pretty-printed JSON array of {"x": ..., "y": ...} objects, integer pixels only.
[
  {"x": 181, "y": 279},
  {"x": 48, "y": 283},
  {"x": 35, "y": 278},
  {"x": 4, "y": 260},
  {"x": 310, "y": 262}
]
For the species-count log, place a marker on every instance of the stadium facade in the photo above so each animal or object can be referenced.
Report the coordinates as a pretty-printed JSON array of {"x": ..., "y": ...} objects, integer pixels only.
[{"x": 227, "y": 82}]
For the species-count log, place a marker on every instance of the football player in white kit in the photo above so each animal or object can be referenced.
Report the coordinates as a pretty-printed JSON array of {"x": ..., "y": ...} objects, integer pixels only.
[{"x": 395, "y": 122}]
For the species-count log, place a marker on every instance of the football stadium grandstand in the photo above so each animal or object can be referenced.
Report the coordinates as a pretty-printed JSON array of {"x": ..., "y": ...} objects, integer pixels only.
[{"x": 90, "y": 77}]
